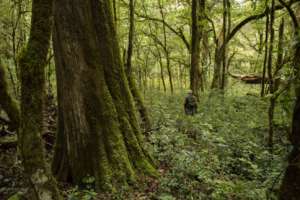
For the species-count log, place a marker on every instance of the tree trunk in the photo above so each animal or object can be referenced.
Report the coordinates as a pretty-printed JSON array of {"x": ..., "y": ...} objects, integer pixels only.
[
  {"x": 274, "y": 83},
  {"x": 217, "y": 67},
  {"x": 206, "y": 56},
  {"x": 221, "y": 53},
  {"x": 165, "y": 48},
  {"x": 279, "y": 61},
  {"x": 32, "y": 66},
  {"x": 7, "y": 103},
  {"x": 98, "y": 132},
  {"x": 132, "y": 83},
  {"x": 161, "y": 69},
  {"x": 169, "y": 71},
  {"x": 290, "y": 186},
  {"x": 262, "y": 93},
  {"x": 198, "y": 16},
  {"x": 270, "y": 76},
  {"x": 224, "y": 52}
]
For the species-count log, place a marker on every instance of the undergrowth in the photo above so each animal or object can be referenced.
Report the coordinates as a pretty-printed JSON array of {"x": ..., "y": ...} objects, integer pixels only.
[{"x": 220, "y": 153}]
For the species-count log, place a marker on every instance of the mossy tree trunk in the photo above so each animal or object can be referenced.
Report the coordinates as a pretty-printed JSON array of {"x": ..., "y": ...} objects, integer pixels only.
[
  {"x": 220, "y": 71},
  {"x": 32, "y": 66},
  {"x": 198, "y": 17},
  {"x": 217, "y": 67},
  {"x": 224, "y": 52},
  {"x": 98, "y": 131},
  {"x": 262, "y": 93},
  {"x": 7, "y": 103},
  {"x": 290, "y": 186},
  {"x": 132, "y": 83},
  {"x": 270, "y": 77}
]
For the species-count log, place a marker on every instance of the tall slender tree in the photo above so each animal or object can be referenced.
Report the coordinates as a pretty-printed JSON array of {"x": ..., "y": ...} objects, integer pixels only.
[
  {"x": 262, "y": 93},
  {"x": 225, "y": 33},
  {"x": 198, "y": 17},
  {"x": 270, "y": 74},
  {"x": 220, "y": 65},
  {"x": 164, "y": 45},
  {"x": 132, "y": 83}
]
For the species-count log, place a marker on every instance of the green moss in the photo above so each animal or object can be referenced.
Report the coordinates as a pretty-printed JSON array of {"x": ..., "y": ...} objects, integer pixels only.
[
  {"x": 100, "y": 122},
  {"x": 6, "y": 101},
  {"x": 32, "y": 66}
]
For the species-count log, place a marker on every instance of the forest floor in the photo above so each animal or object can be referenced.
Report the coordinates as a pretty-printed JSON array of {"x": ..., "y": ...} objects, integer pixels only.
[{"x": 219, "y": 153}]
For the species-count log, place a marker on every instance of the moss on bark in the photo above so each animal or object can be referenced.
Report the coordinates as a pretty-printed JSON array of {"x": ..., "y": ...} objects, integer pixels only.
[
  {"x": 97, "y": 118},
  {"x": 7, "y": 103},
  {"x": 290, "y": 186},
  {"x": 132, "y": 85},
  {"x": 32, "y": 66}
]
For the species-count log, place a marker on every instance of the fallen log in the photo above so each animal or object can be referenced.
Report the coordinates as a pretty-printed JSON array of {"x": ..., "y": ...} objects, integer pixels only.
[{"x": 249, "y": 79}]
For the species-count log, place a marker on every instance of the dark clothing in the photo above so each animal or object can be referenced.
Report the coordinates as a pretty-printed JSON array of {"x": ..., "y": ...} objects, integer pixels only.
[{"x": 190, "y": 105}]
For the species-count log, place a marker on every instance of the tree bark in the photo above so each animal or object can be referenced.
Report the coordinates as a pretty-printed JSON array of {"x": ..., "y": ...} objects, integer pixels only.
[
  {"x": 270, "y": 76},
  {"x": 290, "y": 186},
  {"x": 32, "y": 66},
  {"x": 198, "y": 17},
  {"x": 161, "y": 65},
  {"x": 262, "y": 93},
  {"x": 224, "y": 50},
  {"x": 7, "y": 103},
  {"x": 98, "y": 131},
  {"x": 165, "y": 48},
  {"x": 217, "y": 67},
  {"x": 132, "y": 83}
]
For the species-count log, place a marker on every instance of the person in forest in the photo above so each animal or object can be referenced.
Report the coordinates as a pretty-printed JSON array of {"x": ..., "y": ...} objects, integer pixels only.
[{"x": 190, "y": 104}]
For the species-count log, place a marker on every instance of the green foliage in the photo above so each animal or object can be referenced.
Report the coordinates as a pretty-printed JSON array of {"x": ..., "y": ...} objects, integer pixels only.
[
  {"x": 76, "y": 194},
  {"x": 218, "y": 154},
  {"x": 86, "y": 190}
]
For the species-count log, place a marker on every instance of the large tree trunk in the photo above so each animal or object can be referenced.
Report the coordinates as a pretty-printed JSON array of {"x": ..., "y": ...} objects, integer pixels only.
[
  {"x": 132, "y": 83},
  {"x": 98, "y": 132},
  {"x": 32, "y": 65},
  {"x": 7, "y": 103},
  {"x": 290, "y": 186}
]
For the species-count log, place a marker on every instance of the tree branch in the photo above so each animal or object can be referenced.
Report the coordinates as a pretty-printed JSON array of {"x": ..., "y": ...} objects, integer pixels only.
[
  {"x": 291, "y": 13},
  {"x": 179, "y": 32},
  {"x": 249, "y": 19}
]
